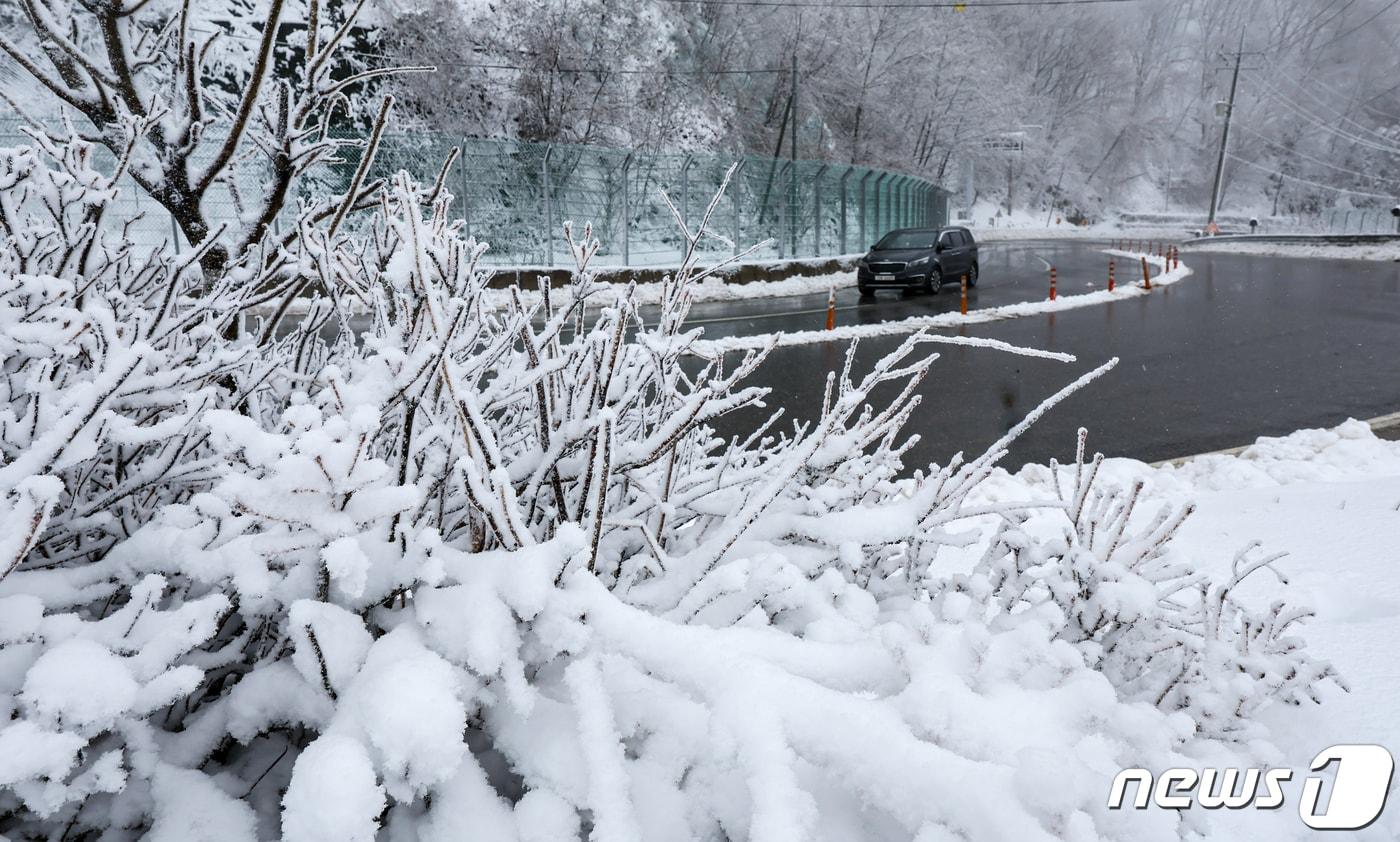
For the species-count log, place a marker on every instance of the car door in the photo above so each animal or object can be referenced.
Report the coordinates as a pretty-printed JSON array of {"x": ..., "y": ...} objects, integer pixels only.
[
  {"x": 969, "y": 250},
  {"x": 950, "y": 256}
]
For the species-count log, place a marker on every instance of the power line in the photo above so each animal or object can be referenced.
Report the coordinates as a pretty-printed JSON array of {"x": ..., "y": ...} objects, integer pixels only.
[
  {"x": 1299, "y": 154},
  {"x": 1261, "y": 167},
  {"x": 1273, "y": 69},
  {"x": 1392, "y": 4},
  {"x": 1326, "y": 125},
  {"x": 651, "y": 71},
  {"x": 895, "y": 4},
  {"x": 1314, "y": 25},
  {"x": 1326, "y": 104}
]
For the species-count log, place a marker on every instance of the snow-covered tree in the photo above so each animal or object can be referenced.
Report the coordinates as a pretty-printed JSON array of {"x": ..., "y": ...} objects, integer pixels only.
[{"x": 486, "y": 572}]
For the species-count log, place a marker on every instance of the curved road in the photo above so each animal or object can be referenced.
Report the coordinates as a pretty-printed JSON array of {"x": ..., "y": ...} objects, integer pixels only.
[{"x": 1247, "y": 346}]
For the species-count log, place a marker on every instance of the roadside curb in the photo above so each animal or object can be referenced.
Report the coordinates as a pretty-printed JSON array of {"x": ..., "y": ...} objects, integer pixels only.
[
  {"x": 1384, "y": 426},
  {"x": 739, "y": 273}
]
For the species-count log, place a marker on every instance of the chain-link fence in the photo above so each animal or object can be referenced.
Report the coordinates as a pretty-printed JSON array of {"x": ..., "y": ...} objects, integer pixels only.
[{"x": 517, "y": 196}]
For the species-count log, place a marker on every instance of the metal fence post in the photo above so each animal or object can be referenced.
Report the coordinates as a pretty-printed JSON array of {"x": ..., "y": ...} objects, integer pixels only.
[
  {"x": 626, "y": 214},
  {"x": 784, "y": 211},
  {"x": 736, "y": 187},
  {"x": 466, "y": 204},
  {"x": 548, "y": 210},
  {"x": 792, "y": 207},
  {"x": 879, "y": 182},
  {"x": 896, "y": 186},
  {"x": 817, "y": 211},
  {"x": 903, "y": 189},
  {"x": 864, "y": 212},
  {"x": 844, "y": 176},
  {"x": 887, "y": 224},
  {"x": 685, "y": 188}
]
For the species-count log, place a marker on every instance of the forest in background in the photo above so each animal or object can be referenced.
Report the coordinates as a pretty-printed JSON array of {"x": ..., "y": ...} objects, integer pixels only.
[{"x": 1114, "y": 104}]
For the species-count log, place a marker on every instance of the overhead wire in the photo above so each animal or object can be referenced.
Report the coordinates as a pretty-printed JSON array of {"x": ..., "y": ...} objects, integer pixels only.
[
  {"x": 1325, "y": 125},
  {"x": 1277, "y": 73},
  {"x": 1304, "y": 156},
  {"x": 965, "y": 5},
  {"x": 1318, "y": 184}
]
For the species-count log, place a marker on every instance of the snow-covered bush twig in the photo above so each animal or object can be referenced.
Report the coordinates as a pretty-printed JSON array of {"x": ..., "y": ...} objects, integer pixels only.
[{"x": 1149, "y": 620}]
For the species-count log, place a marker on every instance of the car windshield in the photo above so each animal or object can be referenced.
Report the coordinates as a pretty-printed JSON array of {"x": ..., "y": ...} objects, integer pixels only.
[{"x": 907, "y": 240}]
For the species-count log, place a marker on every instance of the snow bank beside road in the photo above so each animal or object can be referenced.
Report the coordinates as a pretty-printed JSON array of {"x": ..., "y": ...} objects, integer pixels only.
[
  {"x": 713, "y": 288},
  {"x": 1328, "y": 498},
  {"x": 1332, "y": 251},
  {"x": 1070, "y": 232}
]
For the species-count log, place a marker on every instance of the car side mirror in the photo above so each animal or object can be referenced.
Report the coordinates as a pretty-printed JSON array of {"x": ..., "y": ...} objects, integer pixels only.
[{"x": 938, "y": 249}]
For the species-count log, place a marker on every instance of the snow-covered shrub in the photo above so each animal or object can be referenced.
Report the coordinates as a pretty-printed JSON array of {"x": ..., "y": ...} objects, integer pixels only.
[
  {"x": 1143, "y": 616},
  {"x": 475, "y": 573},
  {"x": 108, "y": 357}
]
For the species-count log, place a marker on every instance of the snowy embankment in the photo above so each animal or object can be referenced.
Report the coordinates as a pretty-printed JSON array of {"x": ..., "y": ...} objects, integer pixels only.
[
  {"x": 1333, "y": 251},
  {"x": 1129, "y": 286},
  {"x": 1330, "y": 500},
  {"x": 1102, "y": 231},
  {"x": 711, "y": 288}
]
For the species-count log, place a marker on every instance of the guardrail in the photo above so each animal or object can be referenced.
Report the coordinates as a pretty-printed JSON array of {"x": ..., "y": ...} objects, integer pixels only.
[{"x": 1333, "y": 239}]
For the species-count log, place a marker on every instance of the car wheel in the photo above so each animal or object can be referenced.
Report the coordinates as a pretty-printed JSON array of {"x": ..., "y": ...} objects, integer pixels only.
[
  {"x": 934, "y": 282},
  {"x": 867, "y": 293},
  {"x": 972, "y": 276}
]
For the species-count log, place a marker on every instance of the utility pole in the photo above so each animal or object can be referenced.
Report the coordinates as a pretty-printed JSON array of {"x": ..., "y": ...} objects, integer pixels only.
[{"x": 1225, "y": 134}]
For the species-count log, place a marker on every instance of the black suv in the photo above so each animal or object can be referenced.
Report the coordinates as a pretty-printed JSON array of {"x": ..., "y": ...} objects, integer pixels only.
[{"x": 919, "y": 258}]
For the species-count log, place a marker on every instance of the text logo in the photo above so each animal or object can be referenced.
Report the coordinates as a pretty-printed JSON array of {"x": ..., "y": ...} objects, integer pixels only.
[{"x": 1356, "y": 798}]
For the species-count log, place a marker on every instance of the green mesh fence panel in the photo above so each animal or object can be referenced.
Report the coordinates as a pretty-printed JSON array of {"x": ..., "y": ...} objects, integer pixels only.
[{"x": 517, "y": 196}]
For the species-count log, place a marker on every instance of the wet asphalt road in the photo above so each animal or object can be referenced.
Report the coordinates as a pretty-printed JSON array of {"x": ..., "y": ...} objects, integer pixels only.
[
  {"x": 1013, "y": 273},
  {"x": 1247, "y": 346}
]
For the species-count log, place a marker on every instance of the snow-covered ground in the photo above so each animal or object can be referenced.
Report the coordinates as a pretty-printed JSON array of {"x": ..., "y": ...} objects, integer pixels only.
[
  {"x": 1101, "y": 231},
  {"x": 488, "y": 574},
  {"x": 712, "y": 288},
  {"x": 1362, "y": 251},
  {"x": 1330, "y": 499}
]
